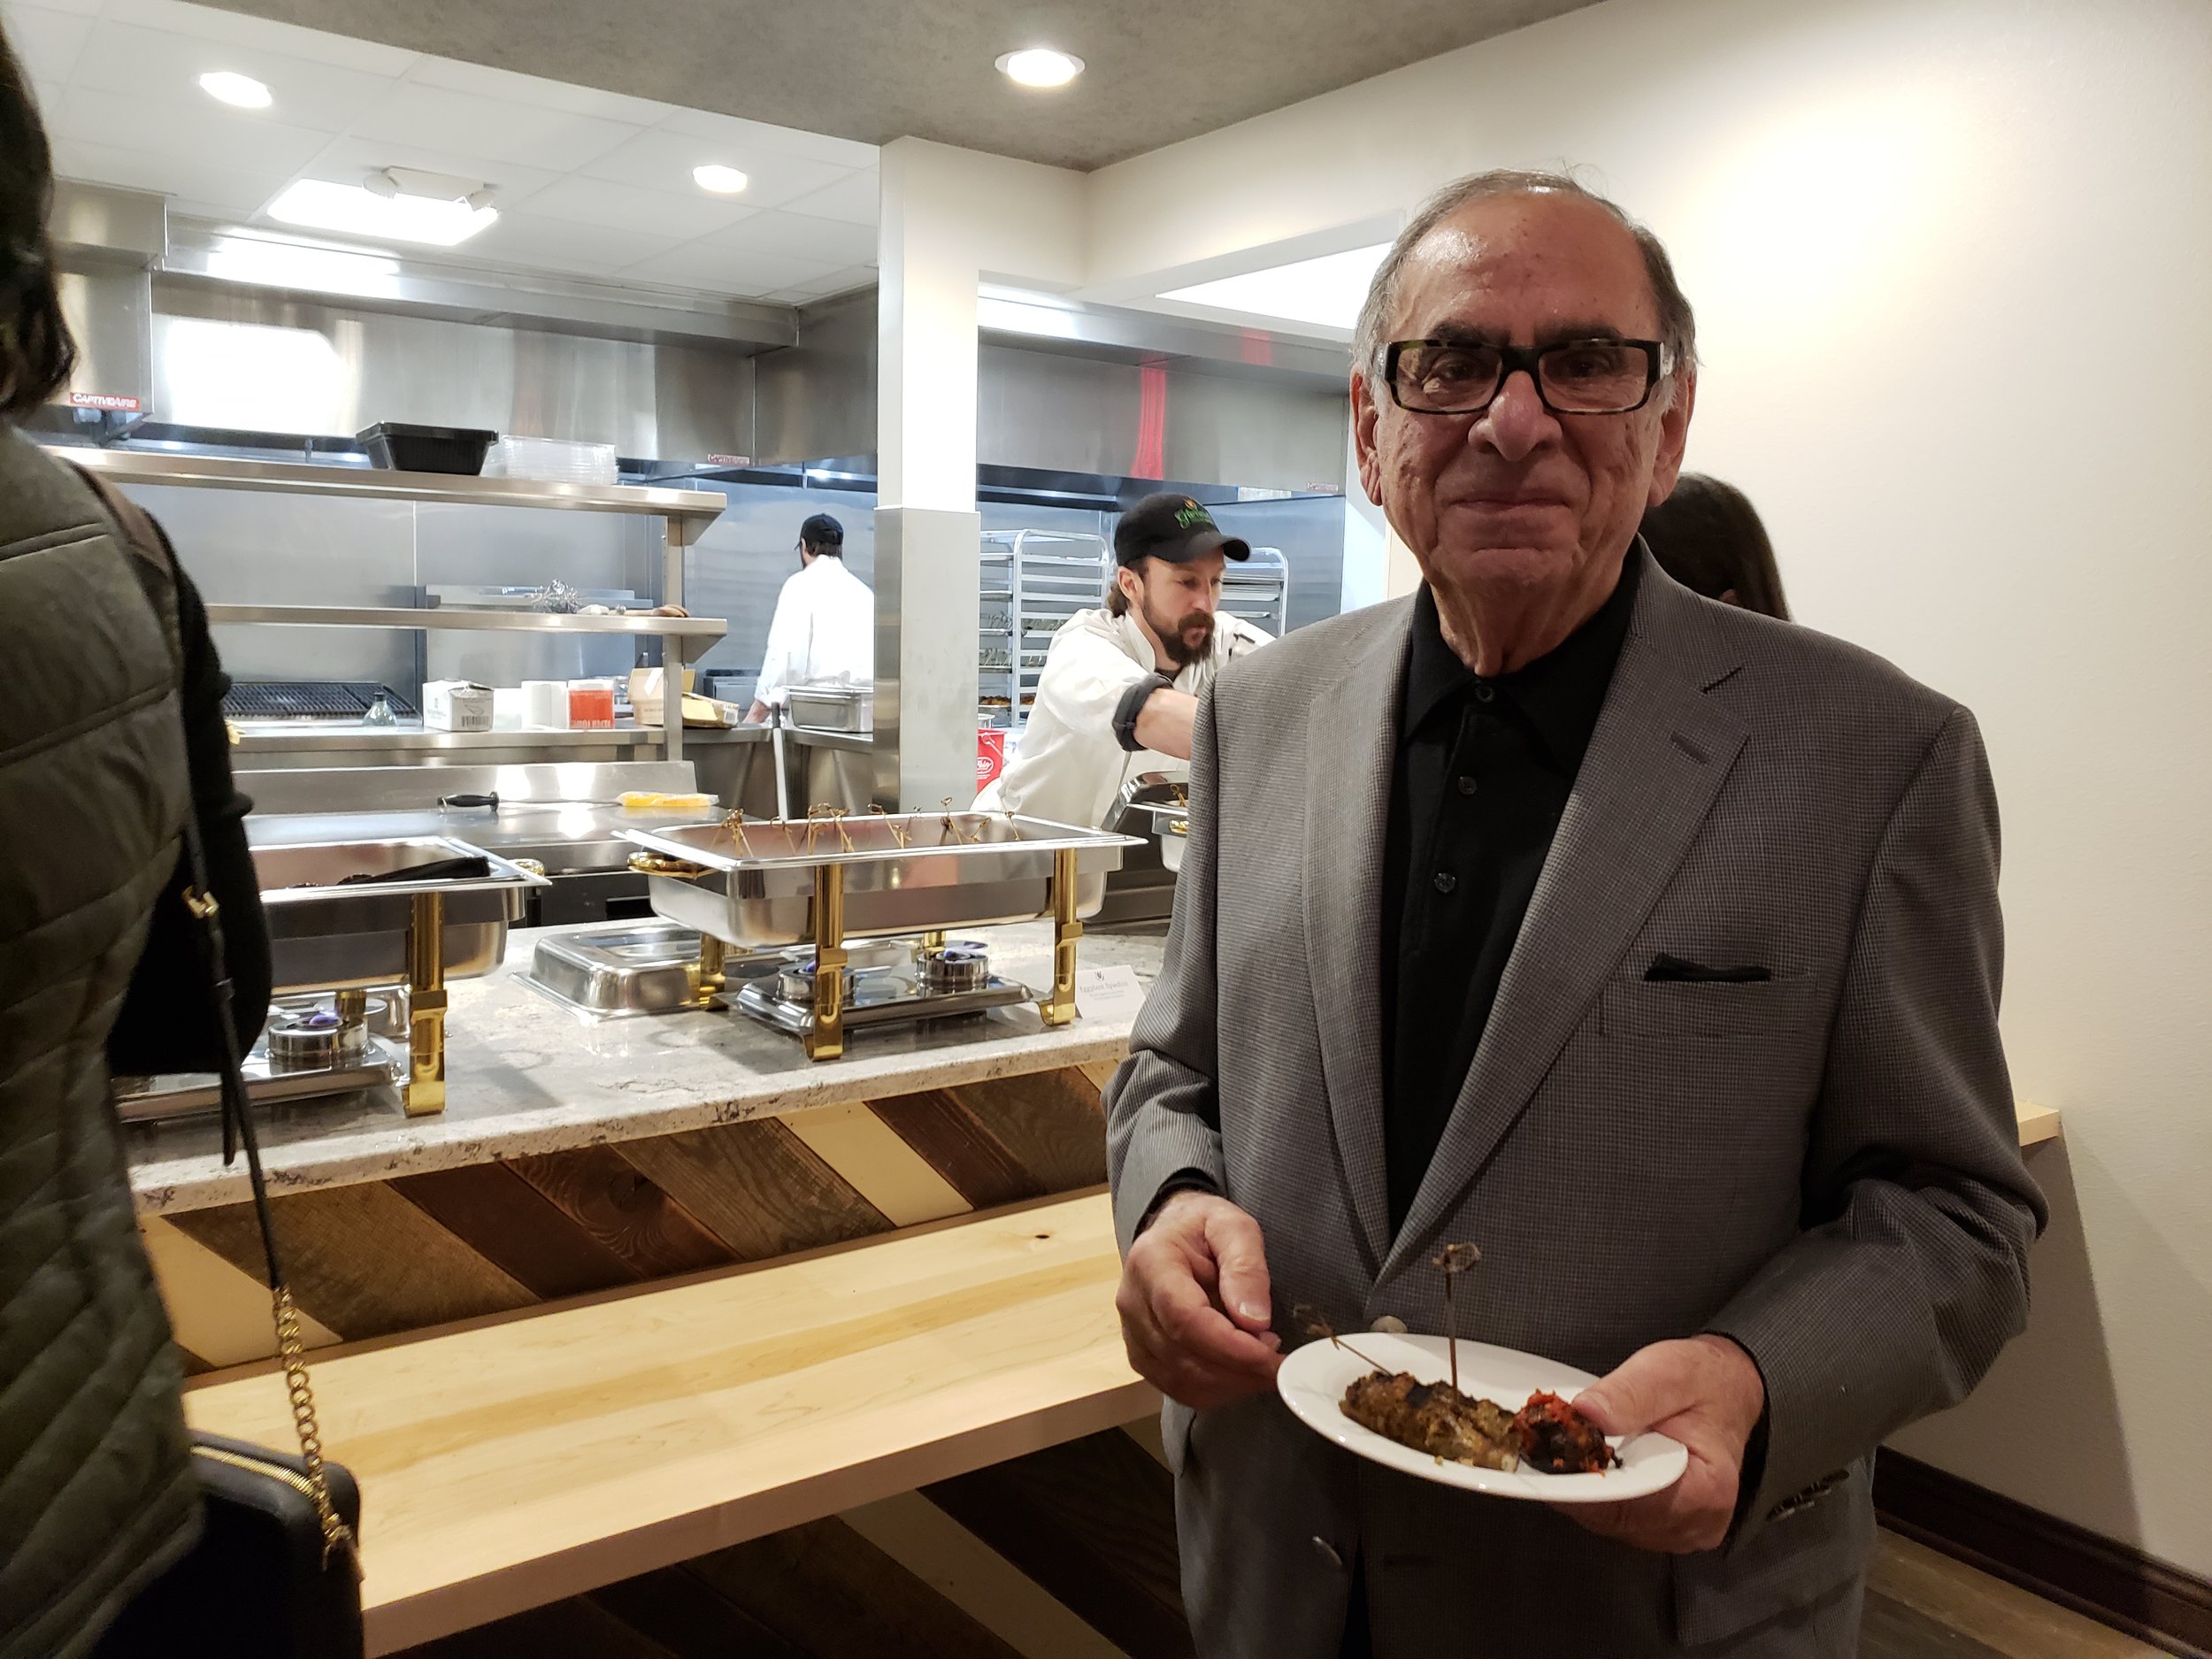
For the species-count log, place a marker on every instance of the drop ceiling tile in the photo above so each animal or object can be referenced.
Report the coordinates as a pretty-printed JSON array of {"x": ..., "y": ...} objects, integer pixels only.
[
  {"x": 667, "y": 213},
  {"x": 725, "y": 270},
  {"x": 859, "y": 276},
  {"x": 346, "y": 160},
  {"x": 553, "y": 244},
  {"x": 434, "y": 118},
  {"x": 663, "y": 160},
  {"x": 234, "y": 28},
  {"x": 782, "y": 232},
  {"x": 47, "y": 43},
  {"x": 855, "y": 199},
  {"x": 226, "y": 192},
  {"x": 154, "y": 64},
  {"x": 481, "y": 80},
  {"x": 194, "y": 132},
  {"x": 783, "y": 140}
]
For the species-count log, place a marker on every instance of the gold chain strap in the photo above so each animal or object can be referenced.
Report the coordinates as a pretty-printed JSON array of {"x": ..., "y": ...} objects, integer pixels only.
[{"x": 292, "y": 1351}]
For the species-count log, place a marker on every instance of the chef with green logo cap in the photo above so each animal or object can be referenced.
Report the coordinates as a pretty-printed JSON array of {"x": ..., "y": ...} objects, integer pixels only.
[{"x": 1119, "y": 691}]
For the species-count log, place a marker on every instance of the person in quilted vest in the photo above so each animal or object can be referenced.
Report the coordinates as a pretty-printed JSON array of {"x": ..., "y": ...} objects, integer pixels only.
[{"x": 111, "y": 733}]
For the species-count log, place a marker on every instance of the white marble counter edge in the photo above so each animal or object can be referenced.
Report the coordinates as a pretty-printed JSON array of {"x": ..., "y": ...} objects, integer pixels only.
[{"x": 170, "y": 1187}]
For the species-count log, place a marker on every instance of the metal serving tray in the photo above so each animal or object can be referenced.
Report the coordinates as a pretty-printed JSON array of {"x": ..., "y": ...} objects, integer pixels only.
[
  {"x": 635, "y": 968},
  {"x": 1162, "y": 803},
  {"x": 954, "y": 870},
  {"x": 832, "y": 708},
  {"x": 323, "y": 936}
]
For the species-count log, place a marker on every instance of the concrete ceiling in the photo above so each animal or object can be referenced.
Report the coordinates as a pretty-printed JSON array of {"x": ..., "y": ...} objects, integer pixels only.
[{"x": 876, "y": 70}]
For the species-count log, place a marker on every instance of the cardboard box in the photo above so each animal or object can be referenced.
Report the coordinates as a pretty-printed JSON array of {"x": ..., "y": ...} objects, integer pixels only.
[{"x": 456, "y": 705}]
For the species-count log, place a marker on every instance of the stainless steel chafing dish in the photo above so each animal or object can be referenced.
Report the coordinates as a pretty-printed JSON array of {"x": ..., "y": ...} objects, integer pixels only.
[
  {"x": 328, "y": 932},
  {"x": 1154, "y": 800},
  {"x": 834, "y": 877}
]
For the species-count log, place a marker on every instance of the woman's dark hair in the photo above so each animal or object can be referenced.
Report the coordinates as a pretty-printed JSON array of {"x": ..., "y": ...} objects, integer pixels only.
[
  {"x": 37, "y": 352},
  {"x": 1707, "y": 537}
]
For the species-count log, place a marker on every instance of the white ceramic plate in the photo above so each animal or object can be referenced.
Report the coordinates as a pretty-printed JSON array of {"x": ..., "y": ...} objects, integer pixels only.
[{"x": 1313, "y": 1379}]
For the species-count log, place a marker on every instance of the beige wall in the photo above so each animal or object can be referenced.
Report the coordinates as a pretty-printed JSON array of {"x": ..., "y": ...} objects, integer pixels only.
[{"x": 1953, "y": 260}]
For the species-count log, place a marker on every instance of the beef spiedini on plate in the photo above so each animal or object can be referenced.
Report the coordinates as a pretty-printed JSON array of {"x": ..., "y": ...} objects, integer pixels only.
[
  {"x": 1558, "y": 1439},
  {"x": 1433, "y": 1418}
]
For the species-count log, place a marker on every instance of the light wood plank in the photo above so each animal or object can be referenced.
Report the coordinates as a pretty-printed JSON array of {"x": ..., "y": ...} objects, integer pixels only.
[
  {"x": 220, "y": 1313},
  {"x": 517, "y": 1464},
  {"x": 880, "y": 1166},
  {"x": 2038, "y": 1124}
]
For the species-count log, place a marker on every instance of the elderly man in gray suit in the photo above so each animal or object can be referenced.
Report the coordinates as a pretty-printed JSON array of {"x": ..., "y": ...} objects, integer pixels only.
[{"x": 1648, "y": 944}]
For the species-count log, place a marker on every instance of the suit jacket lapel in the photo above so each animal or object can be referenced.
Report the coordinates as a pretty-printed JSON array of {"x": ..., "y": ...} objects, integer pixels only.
[
  {"x": 1659, "y": 755},
  {"x": 1351, "y": 742}
]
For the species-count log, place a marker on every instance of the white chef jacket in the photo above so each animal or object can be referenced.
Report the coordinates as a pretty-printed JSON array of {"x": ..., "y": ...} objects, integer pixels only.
[
  {"x": 824, "y": 632},
  {"x": 1068, "y": 766}
]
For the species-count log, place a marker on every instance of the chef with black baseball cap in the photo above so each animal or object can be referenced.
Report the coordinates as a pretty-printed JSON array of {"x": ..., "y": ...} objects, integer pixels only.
[{"x": 1118, "y": 694}]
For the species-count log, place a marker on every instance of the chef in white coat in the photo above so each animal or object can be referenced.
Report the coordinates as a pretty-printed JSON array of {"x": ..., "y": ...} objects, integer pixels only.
[
  {"x": 824, "y": 632},
  {"x": 1119, "y": 691}
]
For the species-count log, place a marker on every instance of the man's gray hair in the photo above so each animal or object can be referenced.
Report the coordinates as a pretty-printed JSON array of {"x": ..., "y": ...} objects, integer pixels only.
[{"x": 1678, "y": 327}]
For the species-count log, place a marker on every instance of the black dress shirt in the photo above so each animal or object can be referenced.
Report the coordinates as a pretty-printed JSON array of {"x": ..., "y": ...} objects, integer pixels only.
[{"x": 1484, "y": 769}]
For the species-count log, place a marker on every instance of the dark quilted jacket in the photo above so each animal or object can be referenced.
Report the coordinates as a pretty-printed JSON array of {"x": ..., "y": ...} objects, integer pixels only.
[{"x": 95, "y": 1495}]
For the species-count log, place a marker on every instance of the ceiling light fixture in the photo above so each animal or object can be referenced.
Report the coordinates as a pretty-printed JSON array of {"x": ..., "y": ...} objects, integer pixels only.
[
  {"x": 722, "y": 180},
  {"x": 1040, "y": 67},
  {"x": 242, "y": 92},
  {"x": 392, "y": 205}
]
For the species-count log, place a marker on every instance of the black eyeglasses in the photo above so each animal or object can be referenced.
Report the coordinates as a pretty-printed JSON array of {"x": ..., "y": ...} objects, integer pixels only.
[{"x": 1578, "y": 377}]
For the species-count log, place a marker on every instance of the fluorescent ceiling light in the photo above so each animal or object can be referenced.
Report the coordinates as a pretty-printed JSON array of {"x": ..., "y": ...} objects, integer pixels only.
[
  {"x": 1040, "y": 67},
  {"x": 241, "y": 91},
  {"x": 1327, "y": 291},
  {"x": 720, "y": 180},
  {"x": 436, "y": 221}
]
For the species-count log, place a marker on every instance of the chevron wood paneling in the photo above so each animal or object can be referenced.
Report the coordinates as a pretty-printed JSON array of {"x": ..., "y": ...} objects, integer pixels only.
[{"x": 379, "y": 1257}]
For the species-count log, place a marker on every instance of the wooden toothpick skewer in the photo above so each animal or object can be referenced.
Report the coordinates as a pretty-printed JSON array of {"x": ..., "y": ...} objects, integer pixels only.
[{"x": 1455, "y": 1260}]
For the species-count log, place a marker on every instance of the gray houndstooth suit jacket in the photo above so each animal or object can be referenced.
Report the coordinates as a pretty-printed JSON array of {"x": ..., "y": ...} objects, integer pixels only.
[{"x": 1823, "y": 1166}]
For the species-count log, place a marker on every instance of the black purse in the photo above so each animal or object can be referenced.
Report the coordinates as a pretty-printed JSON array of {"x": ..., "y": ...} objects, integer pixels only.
[{"x": 276, "y": 1573}]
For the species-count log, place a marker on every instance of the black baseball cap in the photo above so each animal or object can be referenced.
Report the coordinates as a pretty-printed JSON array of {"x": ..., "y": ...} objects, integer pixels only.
[
  {"x": 1175, "y": 528},
  {"x": 822, "y": 531}
]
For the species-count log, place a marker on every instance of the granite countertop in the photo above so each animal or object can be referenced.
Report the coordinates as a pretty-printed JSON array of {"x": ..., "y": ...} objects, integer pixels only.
[{"x": 527, "y": 1075}]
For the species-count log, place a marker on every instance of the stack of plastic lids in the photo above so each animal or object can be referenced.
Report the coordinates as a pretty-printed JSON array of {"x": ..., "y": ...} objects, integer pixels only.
[{"x": 550, "y": 460}]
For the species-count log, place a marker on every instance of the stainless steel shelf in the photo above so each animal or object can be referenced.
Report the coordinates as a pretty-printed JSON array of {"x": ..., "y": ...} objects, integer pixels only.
[
  {"x": 694, "y": 508},
  {"x": 275, "y": 737},
  {"x": 439, "y": 616}
]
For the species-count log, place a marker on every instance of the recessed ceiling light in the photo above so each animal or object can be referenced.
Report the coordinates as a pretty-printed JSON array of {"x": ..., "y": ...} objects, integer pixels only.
[
  {"x": 436, "y": 221},
  {"x": 1040, "y": 67},
  {"x": 240, "y": 91},
  {"x": 1326, "y": 291},
  {"x": 720, "y": 180}
]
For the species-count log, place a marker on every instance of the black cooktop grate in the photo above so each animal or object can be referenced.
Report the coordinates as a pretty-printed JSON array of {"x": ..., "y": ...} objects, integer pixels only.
[{"x": 308, "y": 699}]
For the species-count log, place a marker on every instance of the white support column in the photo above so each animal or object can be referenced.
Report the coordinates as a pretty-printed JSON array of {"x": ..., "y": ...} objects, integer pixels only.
[{"x": 950, "y": 218}]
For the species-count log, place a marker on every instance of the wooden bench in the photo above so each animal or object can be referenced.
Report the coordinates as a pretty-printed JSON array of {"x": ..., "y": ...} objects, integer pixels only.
[{"x": 517, "y": 1461}]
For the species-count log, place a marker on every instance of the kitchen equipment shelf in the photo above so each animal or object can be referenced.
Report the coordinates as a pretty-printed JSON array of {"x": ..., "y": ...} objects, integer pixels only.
[{"x": 684, "y": 513}]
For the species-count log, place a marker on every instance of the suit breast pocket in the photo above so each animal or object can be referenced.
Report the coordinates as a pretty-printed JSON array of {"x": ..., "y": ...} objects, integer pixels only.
[{"x": 1710, "y": 1010}]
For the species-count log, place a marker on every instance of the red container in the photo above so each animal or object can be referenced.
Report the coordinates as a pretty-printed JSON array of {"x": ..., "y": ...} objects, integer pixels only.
[
  {"x": 590, "y": 708},
  {"x": 990, "y": 757}
]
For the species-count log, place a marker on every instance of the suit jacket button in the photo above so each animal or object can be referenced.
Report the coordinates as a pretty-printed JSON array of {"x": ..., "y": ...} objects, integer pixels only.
[
  {"x": 1327, "y": 1552},
  {"x": 1389, "y": 1325}
]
